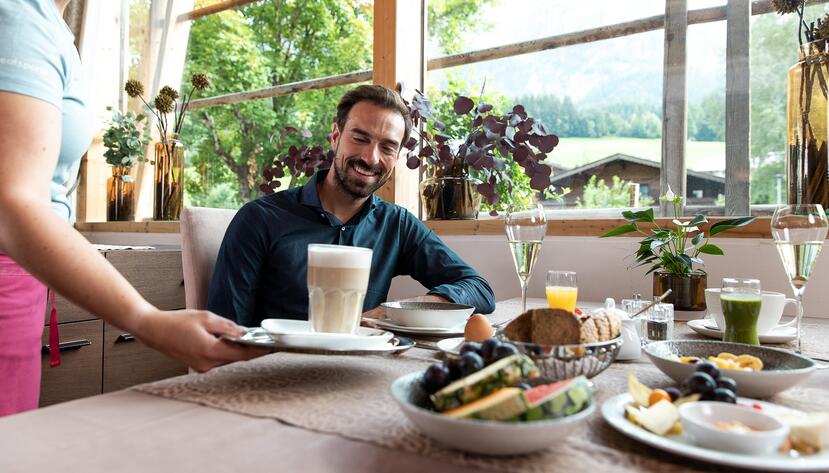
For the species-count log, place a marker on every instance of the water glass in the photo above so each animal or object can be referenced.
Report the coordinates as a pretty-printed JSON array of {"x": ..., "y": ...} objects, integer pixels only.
[
  {"x": 741, "y": 300},
  {"x": 659, "y": 322},
  {"x": 562, "y": 290}
]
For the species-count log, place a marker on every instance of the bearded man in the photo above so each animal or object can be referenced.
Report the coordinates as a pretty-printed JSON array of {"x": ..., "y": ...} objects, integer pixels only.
[{"x": 261, "y": 270}]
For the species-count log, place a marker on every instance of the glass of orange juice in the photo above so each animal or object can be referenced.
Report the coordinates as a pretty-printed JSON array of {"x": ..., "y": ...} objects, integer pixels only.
[{"x": 562, "y": 290}]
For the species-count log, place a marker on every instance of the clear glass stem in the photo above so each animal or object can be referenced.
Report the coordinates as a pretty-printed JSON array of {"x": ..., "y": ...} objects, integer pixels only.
[
  {"x": 524, "y": 285},
  {"x": 798, "y": 343}
]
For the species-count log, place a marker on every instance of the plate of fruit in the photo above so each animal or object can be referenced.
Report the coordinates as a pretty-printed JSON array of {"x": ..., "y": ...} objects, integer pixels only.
[
  {"x": 481, "y": 402},
  {"x": 724, "y": 428}
]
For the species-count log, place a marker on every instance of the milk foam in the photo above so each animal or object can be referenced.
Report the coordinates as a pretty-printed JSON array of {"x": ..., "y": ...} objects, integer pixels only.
[{"x": 336, "y": 256}]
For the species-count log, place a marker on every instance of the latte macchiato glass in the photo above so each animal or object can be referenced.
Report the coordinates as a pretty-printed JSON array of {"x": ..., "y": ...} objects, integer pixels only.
[{"x": 337, "y": 283}]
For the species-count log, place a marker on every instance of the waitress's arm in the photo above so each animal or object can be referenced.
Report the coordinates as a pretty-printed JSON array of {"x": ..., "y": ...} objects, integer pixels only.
[{"x": 51, "y": 250}]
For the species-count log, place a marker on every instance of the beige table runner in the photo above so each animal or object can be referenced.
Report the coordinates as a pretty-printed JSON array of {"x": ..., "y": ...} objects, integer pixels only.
[{"x": 349, "y": 396}]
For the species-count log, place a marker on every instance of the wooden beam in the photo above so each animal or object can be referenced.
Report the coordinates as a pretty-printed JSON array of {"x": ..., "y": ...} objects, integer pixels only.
[
  {"x": 674, "y": 98},
  {"x": 738, "y": 109},
  {"x": 398, "y": 65},
  {"x": 213, "y": 9}
]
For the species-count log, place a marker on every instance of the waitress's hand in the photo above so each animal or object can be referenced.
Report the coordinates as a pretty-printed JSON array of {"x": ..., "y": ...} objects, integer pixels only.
[{"x": 191, "y": 336}]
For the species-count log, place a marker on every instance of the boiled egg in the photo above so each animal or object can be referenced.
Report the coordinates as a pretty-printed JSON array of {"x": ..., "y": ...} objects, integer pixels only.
[{"x": 478, "y": 329}]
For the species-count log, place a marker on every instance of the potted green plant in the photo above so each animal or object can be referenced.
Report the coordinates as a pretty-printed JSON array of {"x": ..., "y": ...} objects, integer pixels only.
[
  {"x": 473, "y": 161},
  {"x": 125, "y": 141},
  {"x": 672, "y": 253}
]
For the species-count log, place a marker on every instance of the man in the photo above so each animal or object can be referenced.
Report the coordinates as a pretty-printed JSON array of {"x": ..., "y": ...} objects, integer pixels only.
[{"x": 261, "y": 269}]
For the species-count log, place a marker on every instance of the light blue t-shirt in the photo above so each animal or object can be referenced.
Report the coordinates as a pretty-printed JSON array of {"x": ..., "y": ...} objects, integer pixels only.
[{"x": 38, "y": 58}]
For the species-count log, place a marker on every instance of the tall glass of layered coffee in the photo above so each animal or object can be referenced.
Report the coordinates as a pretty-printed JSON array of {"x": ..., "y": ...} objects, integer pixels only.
[{"x": 337, "y": 282}]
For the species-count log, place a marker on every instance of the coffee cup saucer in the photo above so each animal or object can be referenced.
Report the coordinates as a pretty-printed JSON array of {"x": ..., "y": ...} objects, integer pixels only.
[
  {"x": 299, "y": 334},
  {"x": 708, "y": 328}
]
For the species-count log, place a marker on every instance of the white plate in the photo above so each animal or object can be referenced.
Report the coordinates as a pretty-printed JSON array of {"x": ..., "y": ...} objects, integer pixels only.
[
  {"x": 434, "y": 331},
  {"x": 298, "y": 334},
  {"x": 444, "y": 315},
  {"x": 613, "y": 410},
  {"x": 258, "y": 337},
  {"x": 451, "y": 346},
  {"x": 777, "y": 335}
]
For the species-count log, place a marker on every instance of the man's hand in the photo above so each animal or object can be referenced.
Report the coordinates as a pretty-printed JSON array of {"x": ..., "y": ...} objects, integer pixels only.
[
  {"x": 190, "y": 336},
  {"x": 380, "y": 313}
]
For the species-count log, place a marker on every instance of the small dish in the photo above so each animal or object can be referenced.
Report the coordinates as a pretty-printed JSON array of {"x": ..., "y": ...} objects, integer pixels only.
[
  {"x": 441, "y": 315},
  {"x": 298, "y": 333},
  {"x": 478, "y": 436},
  {"x": 781, "y": 369},
  {"x": 777, "y": 335},
  {"x": 451, "y": 346},
  {"x": 699, "y": 419}
]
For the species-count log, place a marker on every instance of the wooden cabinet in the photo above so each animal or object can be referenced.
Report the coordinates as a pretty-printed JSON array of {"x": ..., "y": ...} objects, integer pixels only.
[{"x": 97, "y": 357}]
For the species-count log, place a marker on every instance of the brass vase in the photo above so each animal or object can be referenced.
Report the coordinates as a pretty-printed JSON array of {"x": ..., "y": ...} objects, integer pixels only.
[
  {"x": 120, "y": 195},
  {"x": 687, "y": 290},
  {"x": 806, "y": 158},
  {"x": 169, "y": 179}
]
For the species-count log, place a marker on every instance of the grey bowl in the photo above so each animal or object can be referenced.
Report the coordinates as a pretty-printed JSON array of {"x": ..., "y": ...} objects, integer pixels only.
[
  {"x": 781, "y": 369},
  {"x": 557, "y": 362},
  {"x": 479, "y": 436}
]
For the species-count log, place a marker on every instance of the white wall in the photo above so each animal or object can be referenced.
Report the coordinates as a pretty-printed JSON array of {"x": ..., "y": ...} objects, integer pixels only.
[{"x": 602, "y": 267}]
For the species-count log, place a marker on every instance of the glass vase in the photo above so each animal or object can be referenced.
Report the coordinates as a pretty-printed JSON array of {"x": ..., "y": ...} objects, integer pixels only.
[
  {"x": 120, "y": 192},
  {"x": 806, "y": 158},
  {"x": 169, "y": 179}
]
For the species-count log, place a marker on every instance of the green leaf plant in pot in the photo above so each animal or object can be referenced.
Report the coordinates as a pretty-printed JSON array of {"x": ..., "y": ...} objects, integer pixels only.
[
  {"x": 125, "y": 142},
  {"x": 672, "y": 253},
  {"x": 464, "y": 164}
]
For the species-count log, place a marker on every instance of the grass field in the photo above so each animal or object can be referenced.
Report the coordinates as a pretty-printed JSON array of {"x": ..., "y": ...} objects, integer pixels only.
[{"x": 574, "y": 152}]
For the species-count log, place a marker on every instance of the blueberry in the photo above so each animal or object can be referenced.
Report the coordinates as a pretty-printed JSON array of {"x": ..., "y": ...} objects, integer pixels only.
[
  {"x": 674, "y": 393},
  {"x": 710, "y": 368},
  {"x": 504, "y": 350},
  {"x": 727, "y": 383},
  {"x": 470, "y": 363},
  {"x": 435, "y": 378},
  {"x": 488, "y": 347},
  {"x": 470, "y": 347},
  {"x": 699, "y": 383},
  {"x": 724, "y": 395},
  {"x": 453, "y": 365}
]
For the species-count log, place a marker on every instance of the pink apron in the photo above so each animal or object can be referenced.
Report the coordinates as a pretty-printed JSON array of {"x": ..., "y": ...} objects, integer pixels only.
[{"x": 22, "y": 305}]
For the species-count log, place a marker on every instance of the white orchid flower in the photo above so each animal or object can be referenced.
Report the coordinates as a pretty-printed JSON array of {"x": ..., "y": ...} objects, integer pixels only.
[
  {"x": 670, "y": 194},
  {"x": 685, "y": 224}
]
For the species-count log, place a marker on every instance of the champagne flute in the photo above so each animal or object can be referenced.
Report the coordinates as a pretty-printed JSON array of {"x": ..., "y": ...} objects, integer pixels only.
[
  {"x": 525, "y": 228},
  {"x": 799, "y": 232}
]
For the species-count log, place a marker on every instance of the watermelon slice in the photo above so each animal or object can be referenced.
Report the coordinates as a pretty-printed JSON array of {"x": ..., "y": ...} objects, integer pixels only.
[
  {"x": 560, "y": 399},
  {"x": 503, "y": 404}
]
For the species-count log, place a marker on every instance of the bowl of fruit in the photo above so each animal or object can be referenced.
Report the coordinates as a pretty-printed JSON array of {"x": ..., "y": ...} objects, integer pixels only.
[
  {"x": 759, "y": 371},
  {"x": 480, "y": 402}
]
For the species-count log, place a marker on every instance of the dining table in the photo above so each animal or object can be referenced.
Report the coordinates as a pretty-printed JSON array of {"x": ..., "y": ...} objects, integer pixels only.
[{"x": 315, "y": 412}]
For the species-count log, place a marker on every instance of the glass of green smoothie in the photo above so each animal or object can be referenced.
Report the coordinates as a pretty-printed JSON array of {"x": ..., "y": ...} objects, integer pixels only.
[{"x": 741, "y": 300}]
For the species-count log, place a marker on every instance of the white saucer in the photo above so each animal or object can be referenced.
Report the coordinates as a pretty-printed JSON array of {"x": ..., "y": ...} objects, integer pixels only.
[
  {"x": 298, "y": 334},
  {"x": 777, "y": 335},
  {"x": 389, "y": 324},
  {"x": 451, "y": 346}
]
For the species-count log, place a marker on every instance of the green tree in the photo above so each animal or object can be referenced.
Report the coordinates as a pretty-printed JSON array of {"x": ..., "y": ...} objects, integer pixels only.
[{"x": 597, "y": 194}]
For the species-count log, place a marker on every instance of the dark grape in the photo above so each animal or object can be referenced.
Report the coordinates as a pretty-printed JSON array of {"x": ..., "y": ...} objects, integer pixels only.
[
  {"x": 488, "y": 347},
  {"x": 435, "y": 378},
  {"x": 674, "y": 393},
  {"x": 454, "y": 367},
  {"x": 727, "y": 383},
  {"x": 473, "y": 347},
  {"x": 699, "y": 383},
  {"x": 710, "y": 368},
  {"x": 504, "y": 350},
  {"x": 470, "y": 363},
  {"x": 724, "y": 395}
]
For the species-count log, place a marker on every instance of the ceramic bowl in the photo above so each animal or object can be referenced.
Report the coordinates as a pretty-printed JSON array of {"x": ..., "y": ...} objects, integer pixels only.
[
  {"x": 782, "y": 369},
  {"x": 478, "y": 436},
  {"x": 428, "y": 314},
  {"x": 699, "y": 420}
]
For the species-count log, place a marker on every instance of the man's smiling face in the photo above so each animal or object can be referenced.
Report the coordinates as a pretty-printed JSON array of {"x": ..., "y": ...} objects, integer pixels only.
[{"x": 367, "y": 148}]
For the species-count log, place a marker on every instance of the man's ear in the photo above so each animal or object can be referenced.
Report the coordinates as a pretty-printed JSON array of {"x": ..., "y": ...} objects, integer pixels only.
[{"x": 334, "y": 137}]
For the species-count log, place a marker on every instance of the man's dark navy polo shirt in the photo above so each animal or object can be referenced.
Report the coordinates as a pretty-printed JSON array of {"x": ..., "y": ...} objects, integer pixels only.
[{"x": 261, "y": 270}]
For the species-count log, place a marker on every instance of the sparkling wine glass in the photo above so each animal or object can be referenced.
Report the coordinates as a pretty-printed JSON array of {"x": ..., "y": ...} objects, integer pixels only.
[
  {"x": 799, "y": 232},
  {"x": 525, "y": 227}
]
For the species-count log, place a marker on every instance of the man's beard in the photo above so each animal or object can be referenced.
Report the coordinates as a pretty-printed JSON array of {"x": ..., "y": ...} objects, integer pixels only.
[{"x": 353, "y": 187}]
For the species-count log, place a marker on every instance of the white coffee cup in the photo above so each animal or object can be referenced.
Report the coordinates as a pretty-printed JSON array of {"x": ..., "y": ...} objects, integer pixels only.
[{"x": 770, "y": 312}]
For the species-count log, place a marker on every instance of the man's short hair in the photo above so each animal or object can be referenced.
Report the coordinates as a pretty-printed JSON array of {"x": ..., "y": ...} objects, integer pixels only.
[{"x": 378, "y": 95}]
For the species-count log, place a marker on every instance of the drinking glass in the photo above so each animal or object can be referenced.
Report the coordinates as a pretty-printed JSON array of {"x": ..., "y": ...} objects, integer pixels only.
[
  {"x": 741, "y": 300},
  {"x": 562, "y": 290},
  {"x": 525, "y": 228},
  {"x": 799, "y": 232}
]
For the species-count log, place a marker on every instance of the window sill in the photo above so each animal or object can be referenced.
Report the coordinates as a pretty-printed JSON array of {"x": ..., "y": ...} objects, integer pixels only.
[{"x": 485, "y": 225}]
